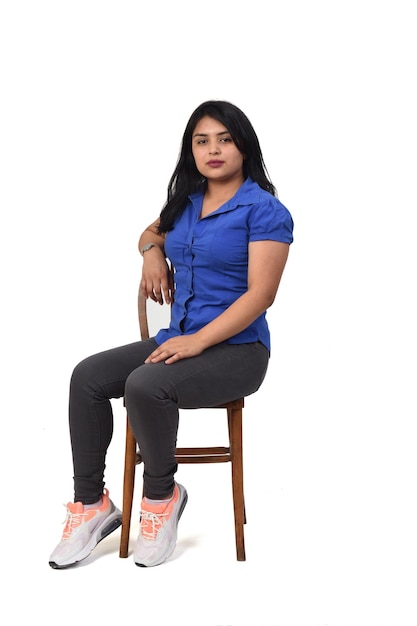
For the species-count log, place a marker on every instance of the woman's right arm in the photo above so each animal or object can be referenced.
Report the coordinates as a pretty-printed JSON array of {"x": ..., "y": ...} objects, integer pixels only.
[{"x": 156, "y": 282}]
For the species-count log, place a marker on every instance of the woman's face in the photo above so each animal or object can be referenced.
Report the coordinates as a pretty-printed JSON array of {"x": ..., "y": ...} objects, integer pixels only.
[{"x": 216, "y": 156}]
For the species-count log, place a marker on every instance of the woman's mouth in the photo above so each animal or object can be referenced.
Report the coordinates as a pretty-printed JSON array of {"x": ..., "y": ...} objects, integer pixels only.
[{"x": 215, "y": 163}]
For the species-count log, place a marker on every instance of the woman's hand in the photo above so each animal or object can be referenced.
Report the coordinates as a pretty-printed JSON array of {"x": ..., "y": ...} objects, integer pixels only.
[
  {"x": 177, "y": 348},
  {"x": 156, "y": 282}
]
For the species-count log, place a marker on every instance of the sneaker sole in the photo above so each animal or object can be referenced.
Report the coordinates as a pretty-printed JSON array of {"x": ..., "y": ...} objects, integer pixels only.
[
  {"x": 180, "y": 512},
  {"x": 110, "y": 527}
]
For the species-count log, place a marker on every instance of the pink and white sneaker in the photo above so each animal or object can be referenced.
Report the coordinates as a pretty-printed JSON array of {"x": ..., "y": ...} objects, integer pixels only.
[
  {"x": 158, "y": 529},
  {"x": 84, "y": 529}
]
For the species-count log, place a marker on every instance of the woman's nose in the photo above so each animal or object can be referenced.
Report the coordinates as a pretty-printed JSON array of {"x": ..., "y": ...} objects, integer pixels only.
[{"x": 214, "y": 148}]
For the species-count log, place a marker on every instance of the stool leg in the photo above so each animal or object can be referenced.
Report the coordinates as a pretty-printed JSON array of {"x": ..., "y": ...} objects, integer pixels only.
[
  {"x": 128, "y": 488},
  {"x": 235, "y": 432}
]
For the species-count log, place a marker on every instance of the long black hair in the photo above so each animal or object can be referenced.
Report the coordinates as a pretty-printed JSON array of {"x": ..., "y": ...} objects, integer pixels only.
[{"x": 186, "y": 178}]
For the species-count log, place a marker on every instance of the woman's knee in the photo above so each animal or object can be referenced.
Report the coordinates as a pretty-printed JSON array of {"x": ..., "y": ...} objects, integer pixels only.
[
  {"x": 81, "y": 373},
  {"x": 86, "y": 374},
  {"x": 136, "y": 389},
  {"x": 143, "y": 385}
]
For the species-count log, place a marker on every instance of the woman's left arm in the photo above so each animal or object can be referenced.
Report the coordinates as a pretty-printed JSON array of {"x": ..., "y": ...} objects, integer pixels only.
[{"x": 266, "y": 264}]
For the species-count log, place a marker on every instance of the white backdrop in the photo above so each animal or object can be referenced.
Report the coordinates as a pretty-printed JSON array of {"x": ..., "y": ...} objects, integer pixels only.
[{"x": 95, "y": 98}]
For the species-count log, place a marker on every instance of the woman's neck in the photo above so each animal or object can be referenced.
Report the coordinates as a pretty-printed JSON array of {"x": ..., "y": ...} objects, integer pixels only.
[
  {"x": 220, "y": 191},
  {"x": 217, "y": 194}
]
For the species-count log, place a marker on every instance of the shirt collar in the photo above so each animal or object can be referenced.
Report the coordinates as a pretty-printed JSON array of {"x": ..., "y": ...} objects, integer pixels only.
[{"x": 248, "y": 193}]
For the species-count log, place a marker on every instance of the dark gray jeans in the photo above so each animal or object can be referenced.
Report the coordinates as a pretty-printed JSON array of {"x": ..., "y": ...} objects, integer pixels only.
[{"x": 153, "y": 394}]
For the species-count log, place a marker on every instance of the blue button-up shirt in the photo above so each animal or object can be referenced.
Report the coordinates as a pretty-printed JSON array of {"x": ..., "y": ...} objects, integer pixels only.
[{"x": 210, "y": 257}]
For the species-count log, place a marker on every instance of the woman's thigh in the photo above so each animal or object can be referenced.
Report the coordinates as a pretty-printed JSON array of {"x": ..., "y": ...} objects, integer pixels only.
[
  {"x": 104, "y": 374},
  {"x": 221, "y": 373}
]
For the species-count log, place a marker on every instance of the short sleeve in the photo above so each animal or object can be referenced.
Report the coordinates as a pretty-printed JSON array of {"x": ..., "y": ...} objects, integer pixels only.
[{"x": 270, "y": 220}]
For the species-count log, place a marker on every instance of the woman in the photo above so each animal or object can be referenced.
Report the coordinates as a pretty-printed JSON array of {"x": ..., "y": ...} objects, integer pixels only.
[{"x": 227, "y": 236}]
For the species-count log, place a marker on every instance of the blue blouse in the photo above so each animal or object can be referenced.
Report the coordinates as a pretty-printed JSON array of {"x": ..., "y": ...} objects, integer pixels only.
[{"x": 210, "y": 257}]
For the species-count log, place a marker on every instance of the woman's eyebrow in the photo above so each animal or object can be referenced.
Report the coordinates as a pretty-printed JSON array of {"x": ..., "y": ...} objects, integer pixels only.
[{"x": 223, "y": 132}]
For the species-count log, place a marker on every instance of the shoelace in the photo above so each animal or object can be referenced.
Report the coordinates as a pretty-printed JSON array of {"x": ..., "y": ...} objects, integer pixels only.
[
  {"x": 151, "y": 523},
  {"x": 72, "y": 521}
]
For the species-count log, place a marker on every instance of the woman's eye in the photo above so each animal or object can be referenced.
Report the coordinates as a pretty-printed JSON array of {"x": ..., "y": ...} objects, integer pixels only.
[{"x": 226, "y": 139}]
